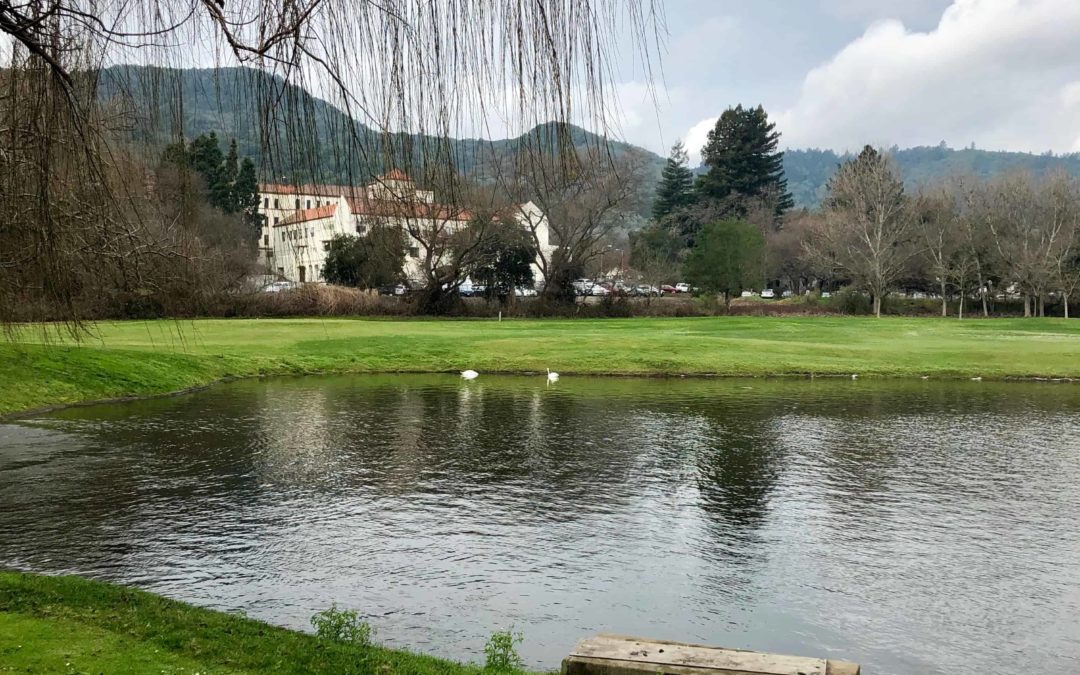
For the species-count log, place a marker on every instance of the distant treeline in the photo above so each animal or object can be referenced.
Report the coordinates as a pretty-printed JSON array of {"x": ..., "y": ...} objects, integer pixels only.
[{"x": 808, "y": 171}]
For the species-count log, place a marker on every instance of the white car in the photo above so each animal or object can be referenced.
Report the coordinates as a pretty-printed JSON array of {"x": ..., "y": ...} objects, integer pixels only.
[
  {"x": 524, "y": 292},
  {"x": 768, "y": 294},
  {"x": 747, "y": 294},
  {"x": 682, "y": 287},
  {"x": 599, "y": 290},
  {"x": 583, "y": 286},
  {"x": 279, "y": 286}
]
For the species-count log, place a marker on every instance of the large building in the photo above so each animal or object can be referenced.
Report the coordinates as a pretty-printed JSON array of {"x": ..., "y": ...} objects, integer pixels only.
[{"x": 301, "y": 220}]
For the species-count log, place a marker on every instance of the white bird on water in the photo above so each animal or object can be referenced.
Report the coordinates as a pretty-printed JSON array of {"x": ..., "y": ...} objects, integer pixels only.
[
  {"x": 552, "y": 377},
  {"x": 470, "y": 374}
]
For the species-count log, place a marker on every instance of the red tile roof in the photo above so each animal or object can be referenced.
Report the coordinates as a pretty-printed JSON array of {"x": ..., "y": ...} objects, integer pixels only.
[
  {"x": 389, "y": 208},
  {"x": 396, "y": 174},
  {"x": 319, "y": 213},
  {"x": 320, "y": 190}
]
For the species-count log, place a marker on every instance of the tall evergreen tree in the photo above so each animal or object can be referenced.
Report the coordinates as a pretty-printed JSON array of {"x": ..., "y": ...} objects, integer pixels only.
[
  {"x": 245, "y": 196},
  {"x": 743, "y": 160},
  {"x": 676, "y": 187},
  {"x": 229, "y": 172}
]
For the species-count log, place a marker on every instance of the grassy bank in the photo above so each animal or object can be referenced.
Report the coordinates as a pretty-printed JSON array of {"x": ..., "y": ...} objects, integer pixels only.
[
  {"x": 73, "y": 625},
  {"x": 140, "y": 358}
]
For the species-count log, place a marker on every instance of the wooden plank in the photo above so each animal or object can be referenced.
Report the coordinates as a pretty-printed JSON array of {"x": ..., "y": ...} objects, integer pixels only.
[{"x": 637, "y": 654}]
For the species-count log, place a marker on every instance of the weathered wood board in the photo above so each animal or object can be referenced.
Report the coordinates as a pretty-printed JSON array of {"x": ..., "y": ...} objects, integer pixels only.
[{"x": 621, "y": 655}]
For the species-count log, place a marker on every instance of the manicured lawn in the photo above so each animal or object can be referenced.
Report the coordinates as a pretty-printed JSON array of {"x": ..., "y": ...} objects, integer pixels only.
[
  {"x": 139, "y": 358},
  {"x": 73, "y": 625}
]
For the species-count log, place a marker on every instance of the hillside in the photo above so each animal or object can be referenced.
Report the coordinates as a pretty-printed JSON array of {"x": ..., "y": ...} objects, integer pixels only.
[
  {"x": 808, "y": 171},
  {"x": 324, "y": 143},
  {"x": 320, "y": 141}
]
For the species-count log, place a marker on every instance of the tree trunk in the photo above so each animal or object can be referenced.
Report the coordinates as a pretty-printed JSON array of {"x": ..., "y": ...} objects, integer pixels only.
[
  {"x": 1027, "y": 306},
  {"x": 877, "y": 305},
  {"x": 944, "y": 301},
  {"x": 982, "y": 291},
  {"x": 1065, "y": 297},
  {"x": 960, "y": 312},
  {"x": 1042, "y": 305}
]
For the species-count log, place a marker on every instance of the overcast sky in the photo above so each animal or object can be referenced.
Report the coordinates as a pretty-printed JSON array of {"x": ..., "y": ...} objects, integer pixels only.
[{"x": 1003, "y": 74}]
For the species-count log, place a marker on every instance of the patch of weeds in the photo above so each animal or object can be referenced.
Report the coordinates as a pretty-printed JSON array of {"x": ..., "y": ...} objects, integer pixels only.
[
  {"x": 500, "y": 652},
  {"x": 342, "y": 625}
]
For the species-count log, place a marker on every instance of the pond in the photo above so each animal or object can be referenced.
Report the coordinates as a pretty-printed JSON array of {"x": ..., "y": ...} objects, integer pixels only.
[{"x": 914, "y": 527}]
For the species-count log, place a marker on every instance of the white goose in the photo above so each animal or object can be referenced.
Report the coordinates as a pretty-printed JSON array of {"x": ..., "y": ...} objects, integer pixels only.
[
  {"x": 552, "y": 377},
  {"x": 470, "y": 374}
]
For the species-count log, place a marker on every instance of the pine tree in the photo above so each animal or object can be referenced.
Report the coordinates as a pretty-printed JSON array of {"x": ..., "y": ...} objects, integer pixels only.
[
  {"x": 676, "y": 187},
  {"x": 245, "y": 195},
  {"x": 742, "y": 159},
  {"x": 225, "y": 187},
  {"x": 207, "y": 160}
]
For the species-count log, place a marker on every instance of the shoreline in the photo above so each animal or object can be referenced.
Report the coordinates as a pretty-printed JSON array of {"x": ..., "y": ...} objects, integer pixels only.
[
  {"x": 130, "y": 361},
  {"x": 46, "y": 409},
  {"x": 75, "y": 624}
]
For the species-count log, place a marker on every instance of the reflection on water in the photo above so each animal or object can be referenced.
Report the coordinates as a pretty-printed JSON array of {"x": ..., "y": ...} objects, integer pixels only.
[{"x": 915, "y": 527}]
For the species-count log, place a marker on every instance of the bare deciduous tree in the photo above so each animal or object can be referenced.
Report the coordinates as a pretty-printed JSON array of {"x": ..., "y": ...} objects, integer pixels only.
[
  {"x": 867, "y": 231},
  {"x": 583, "y": 197}
]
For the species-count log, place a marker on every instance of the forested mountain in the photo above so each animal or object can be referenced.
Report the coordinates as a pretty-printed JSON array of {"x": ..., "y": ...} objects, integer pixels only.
[
  {"x": 808, "y": 171},
  {"x": 317, "y": 143}
]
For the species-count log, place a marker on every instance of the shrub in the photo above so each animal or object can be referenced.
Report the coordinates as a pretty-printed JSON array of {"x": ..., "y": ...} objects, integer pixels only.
[
  {"x": 342, "y": 625},
  {"x": 500, "y": 652}
]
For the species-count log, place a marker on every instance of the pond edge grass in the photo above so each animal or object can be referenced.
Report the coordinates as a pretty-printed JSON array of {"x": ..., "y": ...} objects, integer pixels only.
[{"x": 220, "y": 641}]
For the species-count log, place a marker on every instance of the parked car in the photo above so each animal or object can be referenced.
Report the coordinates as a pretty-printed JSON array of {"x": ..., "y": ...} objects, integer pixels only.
[
  {"x": 682, "y": 287},
  {"x": 466, "y": 290},
  {"x": 582, "y": 286},
  {"x": 768, "y": 294},
  {"x": 645, "y": 289},
  {"x": 279, "y": 286},
  {"x": 599, "y": 290},
  {"x": 668, "y": 289},
  {"x": 524, "y": 292},
  {"x": 747, "y": 294},
  {"x": 826, "y": 294},
  {"x": 787, "y": 294},
  {"x": 399, "y": 289}
]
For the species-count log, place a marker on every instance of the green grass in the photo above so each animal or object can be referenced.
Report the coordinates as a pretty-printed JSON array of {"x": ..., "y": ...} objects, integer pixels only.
[
  {"x": 73, "y": 625},
  {"x": 138, "y": 358}
]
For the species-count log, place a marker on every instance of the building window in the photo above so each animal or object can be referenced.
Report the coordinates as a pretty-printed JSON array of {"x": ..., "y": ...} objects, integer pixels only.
[
  {"x": 311, "y": 232},
  {"x": 276, "y": 219},
  {"x": 297, "y": 204},
  {"x": 281, "y": 271},
  {"x": 275, "y": 202},
  {"x": 308, "y": 204},
  {"x": 303, "y": 274},
  {"x": 266, "y": 240},
  {"x": 266, "y": 202},
  {"x": 360, "y": 229},
  {"x": 326, "y": 245},
  {"x": 414, "y": 251}
]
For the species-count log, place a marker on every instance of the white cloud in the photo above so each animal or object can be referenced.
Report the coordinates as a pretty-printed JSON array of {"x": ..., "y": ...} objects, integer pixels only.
[
  {"x": 1004, "y": 74},
  {"x": 696, "y": 137}
]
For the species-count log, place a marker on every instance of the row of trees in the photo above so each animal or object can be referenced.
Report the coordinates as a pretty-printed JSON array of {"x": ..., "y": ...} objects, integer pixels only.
[
  {"x": 1013, "y": 234},
  {"x": 732, "y": 228}
]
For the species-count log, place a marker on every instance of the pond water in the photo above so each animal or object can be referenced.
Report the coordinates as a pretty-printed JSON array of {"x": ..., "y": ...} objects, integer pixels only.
[{"x": 915, "y": 527}]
